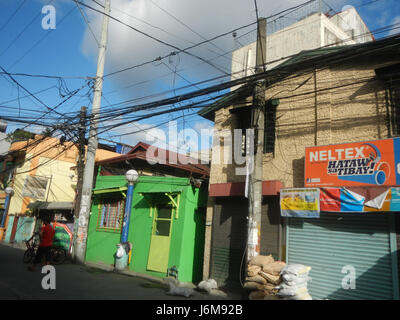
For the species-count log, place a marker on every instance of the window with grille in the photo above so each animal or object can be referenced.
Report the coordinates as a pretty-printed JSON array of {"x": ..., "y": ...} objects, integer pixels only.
[
  {"x": 390, "y": 76},
  {"x": 35, "y": 187},
  {"x": 111, "y": 215},
  {"x": 270, "y": 125}
]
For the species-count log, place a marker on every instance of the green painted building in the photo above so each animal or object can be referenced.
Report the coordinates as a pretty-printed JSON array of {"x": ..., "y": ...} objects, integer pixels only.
[{"x": 167, "y": 225}]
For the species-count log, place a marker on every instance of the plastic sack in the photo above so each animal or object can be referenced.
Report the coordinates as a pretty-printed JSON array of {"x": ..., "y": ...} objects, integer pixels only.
[
  {"x": 302, "y": 295},
  {"x": 208, "y": 285},
  {"x": 179, "y": 291},
  {"x": 120, "y": 251},
  {"x": 292, "y": 291},
  {"x": 295, "y": 269},
  {"x": 287, "y": 291},
  {"x": 298, "y": 281}
]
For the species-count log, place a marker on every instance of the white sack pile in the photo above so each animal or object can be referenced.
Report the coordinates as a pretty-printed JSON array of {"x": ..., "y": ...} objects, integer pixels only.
[{"x": 294, "y": 282}]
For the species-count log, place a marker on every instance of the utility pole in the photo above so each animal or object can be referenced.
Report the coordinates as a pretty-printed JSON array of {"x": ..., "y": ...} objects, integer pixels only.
[
  {"x": 80, "y": 168},
  {"x": 81, "y": 156},
  {"x": 87, "y": 185},
  {"x": 255, "y": 200}
]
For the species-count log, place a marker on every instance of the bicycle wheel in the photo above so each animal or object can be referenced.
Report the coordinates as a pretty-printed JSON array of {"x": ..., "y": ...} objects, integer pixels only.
[
  {"x": 28, "y": 255},
  {"x": 57, "y": 255}
]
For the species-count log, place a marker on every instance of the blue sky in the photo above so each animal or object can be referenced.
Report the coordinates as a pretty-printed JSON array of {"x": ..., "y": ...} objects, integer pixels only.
[{"x": 70, "y": 50}]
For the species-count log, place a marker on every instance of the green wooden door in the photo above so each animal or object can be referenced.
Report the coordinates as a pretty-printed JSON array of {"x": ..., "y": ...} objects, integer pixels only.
[{"x": 160, "y": 239}]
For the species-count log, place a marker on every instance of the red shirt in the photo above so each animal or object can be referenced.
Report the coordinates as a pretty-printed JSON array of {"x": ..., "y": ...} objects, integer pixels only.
[{"x": 47, "y": 235}]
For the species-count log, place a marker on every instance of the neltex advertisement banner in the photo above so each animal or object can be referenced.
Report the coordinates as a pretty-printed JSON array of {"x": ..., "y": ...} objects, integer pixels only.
[
  {"x": 368, "y": 163},
  {"x": 300, "y": 202}
]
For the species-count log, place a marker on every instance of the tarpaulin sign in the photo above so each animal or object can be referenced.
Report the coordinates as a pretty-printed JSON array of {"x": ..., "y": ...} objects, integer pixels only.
[
  {"x": 395, "y": 199},
  {"x": 300, "y": 202},
  {"x": 340, "y": 200},
  {"x": 353, "y": 164}
]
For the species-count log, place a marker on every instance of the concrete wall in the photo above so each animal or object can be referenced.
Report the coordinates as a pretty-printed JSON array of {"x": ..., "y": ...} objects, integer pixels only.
[
  {"x": 310, "y": 33},
  {"x": 4, "y": 145},
  {"x": 349, "y": 106},
  {"x": 48, "y": 159},
  {"x": 351, "y": 22}
]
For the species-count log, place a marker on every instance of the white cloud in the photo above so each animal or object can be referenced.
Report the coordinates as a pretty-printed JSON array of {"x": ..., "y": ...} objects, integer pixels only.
[
  {"x": 135, "y": 132},
  {"x": 208, "y": 18},
  {"x": 396, "y": 20}
]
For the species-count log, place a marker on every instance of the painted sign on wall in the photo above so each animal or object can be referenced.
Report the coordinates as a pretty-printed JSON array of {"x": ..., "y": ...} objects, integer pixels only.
[{"x": 353, "y": 164}]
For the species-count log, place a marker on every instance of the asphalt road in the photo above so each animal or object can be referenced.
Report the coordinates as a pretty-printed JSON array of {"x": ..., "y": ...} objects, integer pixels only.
[{"x": 77, "y": 282}]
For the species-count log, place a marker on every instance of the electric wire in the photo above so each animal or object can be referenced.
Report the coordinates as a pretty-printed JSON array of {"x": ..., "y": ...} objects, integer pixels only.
[
  {"x": 153, "y": 37},
  {"x": 12, "y": 15}
]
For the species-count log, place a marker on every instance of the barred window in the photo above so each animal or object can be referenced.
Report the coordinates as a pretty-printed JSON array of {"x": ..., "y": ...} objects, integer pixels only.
[
  {"x": 270, "y": 125},
  {"x": 390, "y": 77},
  {"x": 110, "y": 216}
]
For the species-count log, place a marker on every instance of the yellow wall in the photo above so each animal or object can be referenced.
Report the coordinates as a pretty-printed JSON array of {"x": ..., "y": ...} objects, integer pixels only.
[{"x": 49, "y": 159}]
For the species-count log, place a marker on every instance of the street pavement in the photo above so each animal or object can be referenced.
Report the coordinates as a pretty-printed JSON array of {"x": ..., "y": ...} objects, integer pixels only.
[{"x": 78, "y": 282}]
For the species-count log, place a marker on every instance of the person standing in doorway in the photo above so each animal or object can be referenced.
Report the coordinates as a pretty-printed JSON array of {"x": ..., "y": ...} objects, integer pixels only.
[{"x": 46, "y": 241}]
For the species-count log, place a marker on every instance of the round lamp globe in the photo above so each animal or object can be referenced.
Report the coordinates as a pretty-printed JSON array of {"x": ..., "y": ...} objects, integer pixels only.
[{"x": 131, "y": 175}]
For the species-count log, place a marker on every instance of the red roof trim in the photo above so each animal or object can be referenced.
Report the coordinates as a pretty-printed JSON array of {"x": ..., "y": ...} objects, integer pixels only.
[{"x": 236, "y": 189}]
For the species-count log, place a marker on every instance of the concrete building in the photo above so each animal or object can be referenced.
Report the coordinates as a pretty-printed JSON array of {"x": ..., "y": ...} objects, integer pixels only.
[
  {"x": 4, "y": 144},
  {"x": 319, "y": 97},
  {"x": 314, "y": 31},
  {"x": 40, "y": 172}
]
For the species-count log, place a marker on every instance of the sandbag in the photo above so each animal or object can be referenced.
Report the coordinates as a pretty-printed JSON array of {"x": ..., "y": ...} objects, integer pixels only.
[
  {"x": 257, "y": 278},
  {"x": 271, "y": 292},
  {"x": 272, "y": 297},
  {"x": 251, "y": 285},
  {"x": 261, "y": 260},
  {"x": 270, "y": 278},
  {"x": 257, "y": 295},
  {"x": 252, "y": 270},
  {"x": 274, "y": 268},
  {"x": 270, "y": 289}
]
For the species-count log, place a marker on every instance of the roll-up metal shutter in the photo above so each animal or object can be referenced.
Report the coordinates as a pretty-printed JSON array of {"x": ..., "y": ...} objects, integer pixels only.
[
  {"x": 228, "y": 241},
  {"x": 336, "y": 243}
]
